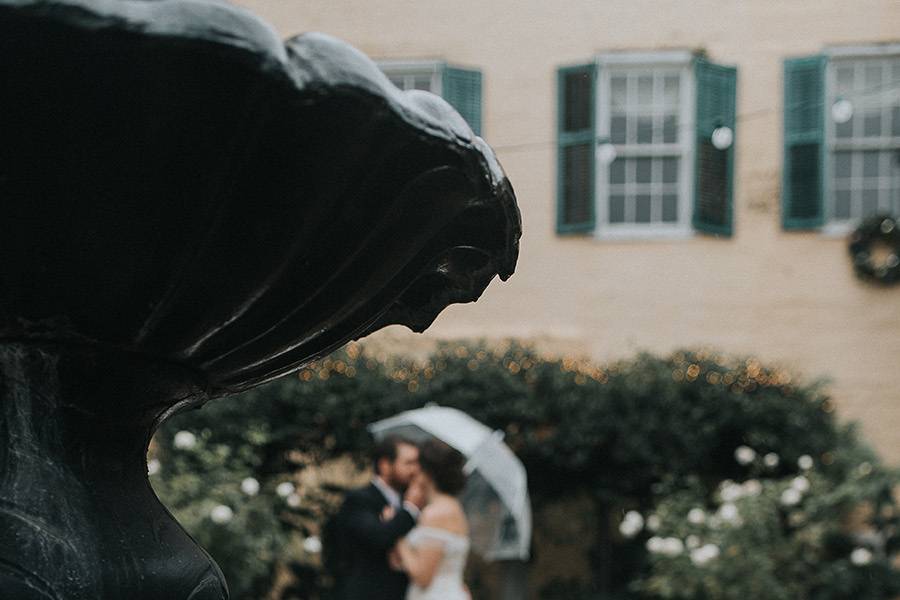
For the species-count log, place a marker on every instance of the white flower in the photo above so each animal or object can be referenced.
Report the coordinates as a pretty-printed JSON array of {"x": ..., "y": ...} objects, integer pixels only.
[
  {"x": 715, "y": 522},
  {"x": 751, "y": 487},
  {"x": 744, "y": 455},
  {"x": 729, "y": 491},
  {"x": 250, "y": 486},
  {"x": 771, "y": 460},
  {"x": 861, "y": 557},
  {"x": 632, "y": 524},
  {"x": 633, "y": 516},
  {"x": 285, "y": 489},
  {"x": 293, "y": 500},
  {"x": 702, "y": 555},
  {"x": 628, "y": 529},
  {"x": 221, "y": 514},
  {"x": 671, "y": 546},
  {"x": 797, "y": 518},
  {"x": 312, "y": 545},
  {"x": 185, "y": 440},
  {"x": 653, "y": 522},
  {"x": 153, "y": 466},
  {"x": 655, "y": 545},
  {"x": 696, "y": 516},
  {"x": 729, "y": 513},
  {"x": 801, "y": 484},
  {"x": 790, "y": 497},
  {"x": 805, "y": 462},
  {"x": 692, "y": 541},
  {"x": 864, "y": 469}
]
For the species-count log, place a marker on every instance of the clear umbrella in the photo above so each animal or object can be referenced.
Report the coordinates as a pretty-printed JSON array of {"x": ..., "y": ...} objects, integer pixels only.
[{"x": 496, "y": 494}]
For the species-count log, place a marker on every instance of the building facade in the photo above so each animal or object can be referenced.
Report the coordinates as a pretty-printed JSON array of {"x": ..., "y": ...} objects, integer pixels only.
[{"x": 688, "y": 172}]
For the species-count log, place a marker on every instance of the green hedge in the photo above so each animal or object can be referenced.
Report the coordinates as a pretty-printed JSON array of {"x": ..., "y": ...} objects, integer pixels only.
[{"x": 641, "y": 435}]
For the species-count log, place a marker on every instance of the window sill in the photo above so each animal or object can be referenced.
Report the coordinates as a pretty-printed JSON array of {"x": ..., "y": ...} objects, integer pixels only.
[
  {"x": 641, "y": 234},
  {"x": 837, "y": 230}
]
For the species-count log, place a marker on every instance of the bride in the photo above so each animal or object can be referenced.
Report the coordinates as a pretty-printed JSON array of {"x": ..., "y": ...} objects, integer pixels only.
[{"x": 434, "y": 553}]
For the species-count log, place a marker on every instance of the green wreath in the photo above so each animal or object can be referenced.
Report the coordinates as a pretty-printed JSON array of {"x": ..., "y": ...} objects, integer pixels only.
[{"x": 870, "y": 265}]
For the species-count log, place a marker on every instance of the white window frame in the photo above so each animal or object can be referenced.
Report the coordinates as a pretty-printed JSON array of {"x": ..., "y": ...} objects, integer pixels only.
[
  {"x": 835, "y": 55},
  {"x": 409, "y": 70},
  {"x": 630, "y": 62}
]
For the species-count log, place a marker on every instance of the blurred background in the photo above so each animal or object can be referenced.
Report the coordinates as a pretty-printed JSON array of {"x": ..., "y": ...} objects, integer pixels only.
[{"x": 698, "y": 358}]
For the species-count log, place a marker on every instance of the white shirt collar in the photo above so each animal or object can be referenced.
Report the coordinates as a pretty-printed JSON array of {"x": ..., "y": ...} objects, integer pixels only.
[{"x": 389, "y": 493}]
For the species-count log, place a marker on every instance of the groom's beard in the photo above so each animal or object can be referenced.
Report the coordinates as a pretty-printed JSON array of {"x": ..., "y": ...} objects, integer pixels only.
[{"x": 398, "y": 486}]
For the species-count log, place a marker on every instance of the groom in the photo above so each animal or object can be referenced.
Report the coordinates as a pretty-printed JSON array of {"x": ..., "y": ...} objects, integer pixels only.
[{"x": 372, "y": 519}]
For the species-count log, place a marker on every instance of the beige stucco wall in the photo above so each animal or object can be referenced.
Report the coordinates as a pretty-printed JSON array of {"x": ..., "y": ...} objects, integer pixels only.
[{"x": 788, "y": 298}]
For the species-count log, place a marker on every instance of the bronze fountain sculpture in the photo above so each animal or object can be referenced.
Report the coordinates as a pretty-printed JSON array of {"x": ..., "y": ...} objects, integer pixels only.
[{"x": 190, "y": 208}]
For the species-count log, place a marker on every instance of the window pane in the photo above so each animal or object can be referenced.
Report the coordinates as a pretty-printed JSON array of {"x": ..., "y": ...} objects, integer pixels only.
[
  {"x": 895, "y": 120},
  {"x": 397, "y": 81},
  {"x": 423, "y": 83},
  {"x": 642, "y": 208},
  {"x": 670, "y": 208},
  {"x": 645, "y": 90},
  {"x": 670, "y": 170},
  {"x": 618, "y": 129},
  {"x": 670, "y": 129},
  {"x": 644, "y": 170},
  {"x": 842, "y": 204},
  {"x": 844, "y": 77},
  {"x": 618, "y": 91},
  {"x": 870, "y": 164},
  {"x": 872, "y": 76},
  {"x": 645, "y": 130},
  {"x": 671, "y": 89},
  {"x": 869, "y": 202},
  {"x": 844, "y": 130},
  {"x": 617, "y": 209},
  {"x": 843, "y": 164},
  {"x": 617, "y": 171},
  {"x": 872, "y": 122}
]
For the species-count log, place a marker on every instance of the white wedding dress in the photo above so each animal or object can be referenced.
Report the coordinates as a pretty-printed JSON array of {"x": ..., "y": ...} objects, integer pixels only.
[{"x": 448, "y": 581}]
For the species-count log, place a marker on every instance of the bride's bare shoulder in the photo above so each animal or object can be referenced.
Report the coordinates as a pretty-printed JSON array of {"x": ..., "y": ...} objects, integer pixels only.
[{"x": 446, "y": 513}]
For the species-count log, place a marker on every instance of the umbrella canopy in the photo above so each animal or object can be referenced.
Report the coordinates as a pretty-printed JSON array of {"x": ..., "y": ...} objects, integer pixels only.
[{"x": 496, "y": 494}]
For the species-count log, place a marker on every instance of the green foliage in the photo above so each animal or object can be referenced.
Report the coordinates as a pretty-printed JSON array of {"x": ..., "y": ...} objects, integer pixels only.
[
  {"x": 194, "y": 480},
  {"x": 776, "y": 538},
  {"x": 650, "y": 433}
]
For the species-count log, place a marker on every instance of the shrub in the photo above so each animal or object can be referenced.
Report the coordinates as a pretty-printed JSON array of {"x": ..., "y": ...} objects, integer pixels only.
[{"x": 649, "y": 434}]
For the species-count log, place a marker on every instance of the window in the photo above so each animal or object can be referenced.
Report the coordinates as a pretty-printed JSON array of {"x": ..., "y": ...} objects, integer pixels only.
[
  {"x": 640, "y": 110},
  {"x": 842, "y": 137},
  {"x": 636, "y": 156},
  {"x": 461, "y": 88}
]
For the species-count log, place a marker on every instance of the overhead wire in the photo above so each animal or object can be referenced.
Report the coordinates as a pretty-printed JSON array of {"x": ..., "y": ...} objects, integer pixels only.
[{"x": 741, "y": 117}]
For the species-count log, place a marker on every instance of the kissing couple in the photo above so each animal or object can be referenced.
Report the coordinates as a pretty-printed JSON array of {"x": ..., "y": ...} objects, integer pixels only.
[{"x": 404, "y": 536}]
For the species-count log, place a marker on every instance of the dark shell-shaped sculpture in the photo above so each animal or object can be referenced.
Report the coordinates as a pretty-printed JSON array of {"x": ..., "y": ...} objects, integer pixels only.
[
  {"x": 177, "y": 183},
  {"x": 190, "y": 207}
]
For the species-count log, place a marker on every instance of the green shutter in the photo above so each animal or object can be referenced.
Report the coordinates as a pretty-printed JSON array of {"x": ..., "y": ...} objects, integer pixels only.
[
  {"x": 714, "y": 168},
  {"x": 576, "y": 140},
  {"x": 802, "y": 193},
  {"x": 462, "y": 89}
]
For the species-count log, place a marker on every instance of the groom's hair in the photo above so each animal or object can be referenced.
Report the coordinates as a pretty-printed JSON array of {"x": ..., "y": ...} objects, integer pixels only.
[{"x": 387, "y": 448}]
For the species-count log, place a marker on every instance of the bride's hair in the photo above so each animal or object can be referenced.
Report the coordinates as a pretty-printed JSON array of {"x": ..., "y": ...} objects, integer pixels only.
[{"x": 444, "y": 465}]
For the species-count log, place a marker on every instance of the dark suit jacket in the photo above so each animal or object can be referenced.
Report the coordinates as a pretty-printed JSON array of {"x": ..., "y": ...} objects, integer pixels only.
[{"x": 363, "y": 542}]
